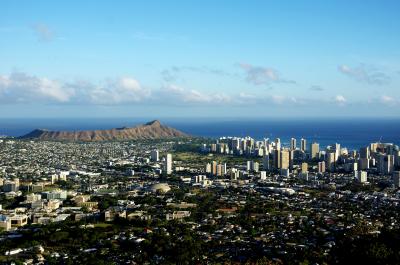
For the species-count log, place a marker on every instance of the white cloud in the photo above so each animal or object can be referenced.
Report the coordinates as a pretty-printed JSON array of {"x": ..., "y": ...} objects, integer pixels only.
[
  {"x": 20, "y": 87},
  {"x": 245, "y": 96},
  {"x": 340, "y": 99},
  {"x": 387, "y": 100},
  {"x": 122, "y": 90},
  {"x": 178, "y": 94},
  {"x": 258, "y": 75},
  {"x": 364, "y": 73},
  {"x": 278, "y": 99}
]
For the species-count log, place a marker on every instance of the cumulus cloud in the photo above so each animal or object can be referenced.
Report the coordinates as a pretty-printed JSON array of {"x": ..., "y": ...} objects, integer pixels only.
[
  {"x": 43, "y": 32},
  {"x": 341, "y": 100},
  {"x": 258, "y": 75},
  {"x": 388, "y": 100},
  {"x": 171, "y": 74},
  {"x": 176, "y": 94},
  {"x": 365, "y": 74},
  {"x": 122, "y": 90},
  {"x": 21, "y": 87}
]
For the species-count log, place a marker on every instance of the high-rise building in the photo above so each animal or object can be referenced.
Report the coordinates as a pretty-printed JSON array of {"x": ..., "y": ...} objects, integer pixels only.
[
  {"x": 278, "y": 144},
  {"x": 277, "y": 158},
  {"x": 248, "y": 166},
  {"x": 304, "y": 167},
  {"x": 154, "y": 155},
  {"x": 314, "y": 150},
  {"x": 364, "y": 152},
  {"x": 219, "y": 169},
  {"x": 396, "y": 179},
  {"x": 293, "y": 144},
  {"x": 255, "y": 167},
  {"x": 208, "y": 168},
  {"x": 291, "y": 159},
  {"x": 266, "y": 165},
  {"x": 263, "y": 175},
  {"x": 385, "y": 163},
  {"x": 337, "y": 151},
  {"x": 168, "y": 164},
  {"x": 303, "y": 145},
  {"x": 361, "y": 176},
  {"x": 214, "y": 168},
  {"x": 321, "y": 167},
  {"x": 284, "y": 161},
  {"x": 397, "y": 158},
  {"x": 331, "y": 160},
  {"x": 363, "y": 163}
]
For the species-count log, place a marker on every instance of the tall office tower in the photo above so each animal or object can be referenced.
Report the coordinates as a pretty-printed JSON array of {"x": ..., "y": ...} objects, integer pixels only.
[
  {"x": 385, "y": 163},
  {"x": 208, "y": 168},
  {"x": 235, "y": 144},
  {"x": 314, "y": 150},
  {"x": 250, "y": 143},
  {"x": 168, "y": 164},
  {"x": 364, "y": 152},
  {"x": 390, "y": 164},
  {"x": 154, "y": 155},
  {"x": 243, "y": 144},
  {"x": 303, "y": 144},
  {"x": 214, "y": 168},
  {"x": 284, "y": 159},
  {"x": 291, "y": 159},
  {"x": 331, "y": 160},
  {"x": 248, "y": 166},
  {"x": 277, "y": 158},
  {"x": 363, "y": 163},
  {"x": 278, "y": 144},
  {"x": 304, "y": 167},
  {"x": 266, "y": 142},
  {"x": 266, "y": 165},
  {"x": 293, "y": 144},
  {"x": 220, "y": 169},
  {"x": 396, "y": 179},
  {"x": 397, "y": 158},
  {"x": 337, "y": 151},
  {"x": 321, "y": 167},
  {"x": 373, "y": 147},
  {"x": 213, "y": 148},
  {"x": 255, "y": 167}
]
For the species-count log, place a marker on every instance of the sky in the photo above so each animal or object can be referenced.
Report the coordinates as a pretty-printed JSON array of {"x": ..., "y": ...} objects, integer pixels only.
[{"x": 225, "y": 58}]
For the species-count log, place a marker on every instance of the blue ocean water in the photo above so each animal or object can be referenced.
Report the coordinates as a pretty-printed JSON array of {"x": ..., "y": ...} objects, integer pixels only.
[{"x": 352, "y": 133}]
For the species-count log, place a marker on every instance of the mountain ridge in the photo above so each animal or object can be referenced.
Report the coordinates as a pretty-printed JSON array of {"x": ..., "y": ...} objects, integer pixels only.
[{"x": 150, "y": 130}]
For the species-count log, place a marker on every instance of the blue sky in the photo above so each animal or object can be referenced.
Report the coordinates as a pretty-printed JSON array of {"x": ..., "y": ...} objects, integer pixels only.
[{"x": 199, "y": 58}]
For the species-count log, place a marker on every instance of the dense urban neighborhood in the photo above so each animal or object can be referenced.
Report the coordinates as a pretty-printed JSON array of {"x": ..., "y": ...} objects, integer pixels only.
[{"x": 198, "y": 201}]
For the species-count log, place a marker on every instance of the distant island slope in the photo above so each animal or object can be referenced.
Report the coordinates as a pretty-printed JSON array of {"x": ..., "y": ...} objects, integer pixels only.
[{"x": 150, "y": 130}]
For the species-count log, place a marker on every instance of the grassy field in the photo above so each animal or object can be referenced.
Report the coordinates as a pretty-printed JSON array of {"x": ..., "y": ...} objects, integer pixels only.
[{"x": 192, "y": 157}]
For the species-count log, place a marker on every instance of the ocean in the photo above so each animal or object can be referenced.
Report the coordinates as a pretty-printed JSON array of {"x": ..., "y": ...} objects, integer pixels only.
[{"x": 352, "y": 133}]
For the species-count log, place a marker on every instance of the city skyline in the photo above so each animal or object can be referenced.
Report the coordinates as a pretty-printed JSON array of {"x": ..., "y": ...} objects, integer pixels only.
[{"x": 199, "y": 59}]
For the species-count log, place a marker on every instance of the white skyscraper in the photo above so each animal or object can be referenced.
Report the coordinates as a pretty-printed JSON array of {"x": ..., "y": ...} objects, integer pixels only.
[
  {"x": 303, "y": 144},
  {"x": 168, "y": 164},
  {"x": 278, "y": 144}
]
